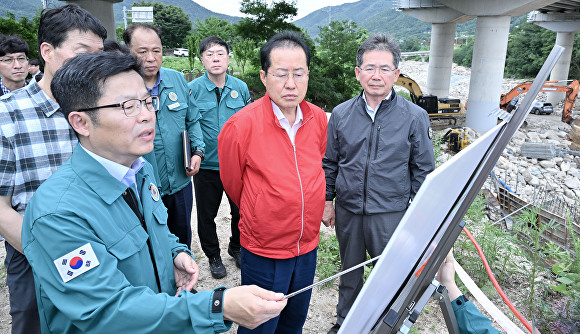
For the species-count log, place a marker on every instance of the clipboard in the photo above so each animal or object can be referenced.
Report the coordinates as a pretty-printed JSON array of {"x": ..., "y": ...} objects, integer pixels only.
[{"x": 186, "y": 146}]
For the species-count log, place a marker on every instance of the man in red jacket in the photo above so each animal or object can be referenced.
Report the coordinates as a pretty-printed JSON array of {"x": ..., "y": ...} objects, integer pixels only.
[{"x": 270, "y": 156}]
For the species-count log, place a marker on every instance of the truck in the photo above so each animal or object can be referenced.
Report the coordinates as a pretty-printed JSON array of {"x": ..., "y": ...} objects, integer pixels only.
[{"x": 436, "y": 107}]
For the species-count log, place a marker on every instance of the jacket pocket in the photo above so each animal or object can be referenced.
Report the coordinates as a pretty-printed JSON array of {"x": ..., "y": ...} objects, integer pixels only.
[
  {"x": 205, "y": 107},
  {"x": 130, "y": 244},
  {"x": 160, "y": 214},
  {"x": 235, "y": 104}
]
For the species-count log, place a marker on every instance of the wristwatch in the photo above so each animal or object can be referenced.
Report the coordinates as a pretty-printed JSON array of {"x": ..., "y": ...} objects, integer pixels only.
[
  {"x": 175, "y": 253},
  {"x": 199, "y": 153},
  {"x": 217, "y": 300}
]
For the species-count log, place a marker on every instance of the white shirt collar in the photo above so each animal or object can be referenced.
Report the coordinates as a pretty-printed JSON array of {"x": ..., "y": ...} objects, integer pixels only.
[
  {"x": 122, "y": 173},
  {"x": 290, "y": 129}
]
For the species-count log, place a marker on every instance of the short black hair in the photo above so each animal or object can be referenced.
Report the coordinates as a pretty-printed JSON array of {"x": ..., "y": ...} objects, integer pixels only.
[
  {"x": 34, "y": 62},
  {"x": 56, "y": 23},
  {"x": 284, "y": 39},
  {"x": 207, "y": 42},
  {"x": 128, "y": 33},
  {"x": 114, "y": 46},
  {"x": 13, "y": 44},
  {"x": 80, "y": 82}
]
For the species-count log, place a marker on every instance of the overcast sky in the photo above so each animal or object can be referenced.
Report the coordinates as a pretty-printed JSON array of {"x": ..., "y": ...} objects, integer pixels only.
[{"x": 305, "y": 7}]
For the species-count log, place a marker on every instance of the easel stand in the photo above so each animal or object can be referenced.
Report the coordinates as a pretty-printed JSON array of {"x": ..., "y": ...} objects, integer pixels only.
[
  {"x": 399, "y": 319},
  {"x": 439, "y": 293}
]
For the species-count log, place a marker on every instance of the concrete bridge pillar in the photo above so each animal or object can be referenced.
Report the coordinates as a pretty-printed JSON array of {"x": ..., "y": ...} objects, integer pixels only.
[
  {"x": 489, "y": 53},
  {"x": 565, "y": 25},
  {"x": 562, "y": 68},
  {"x": 440, "y": 59},
  {"x": 103, "y": 10}
]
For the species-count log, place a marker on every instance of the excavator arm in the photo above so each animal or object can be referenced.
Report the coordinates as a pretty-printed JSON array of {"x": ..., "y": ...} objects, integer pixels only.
[{"x": 549, "y": 86}]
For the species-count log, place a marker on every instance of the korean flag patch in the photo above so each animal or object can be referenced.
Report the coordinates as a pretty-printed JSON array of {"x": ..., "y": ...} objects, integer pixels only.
[{"x": 76, "y": 262}]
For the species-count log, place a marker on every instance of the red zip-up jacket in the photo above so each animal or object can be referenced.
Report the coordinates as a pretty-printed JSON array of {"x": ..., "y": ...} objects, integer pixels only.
[{"x": 279, "y": 187}]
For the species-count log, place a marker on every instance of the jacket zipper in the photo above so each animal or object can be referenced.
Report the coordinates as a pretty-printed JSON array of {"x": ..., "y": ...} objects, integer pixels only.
[
  {"x": 161, "y": 137},
  {"x": 301, "y": 197},
  {"x": 367, "y": 168},
  {"x": 299, "y": 181},
  {"x": 377, "y": 141}
]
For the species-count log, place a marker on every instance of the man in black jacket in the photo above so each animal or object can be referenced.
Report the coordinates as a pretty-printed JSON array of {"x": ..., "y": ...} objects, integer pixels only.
[{"x": 378, "y": 153}]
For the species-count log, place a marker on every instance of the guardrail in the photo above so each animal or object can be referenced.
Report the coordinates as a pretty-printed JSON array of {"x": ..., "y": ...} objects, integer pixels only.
[{"x": 422, "y": 54}]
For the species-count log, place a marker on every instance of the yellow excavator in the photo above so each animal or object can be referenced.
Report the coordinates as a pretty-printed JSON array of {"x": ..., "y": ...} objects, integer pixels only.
[{"x": 437, "y": 108}]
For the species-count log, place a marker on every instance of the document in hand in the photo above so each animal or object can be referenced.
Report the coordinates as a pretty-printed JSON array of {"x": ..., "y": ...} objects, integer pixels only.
[{"x": 186, "y": 146}]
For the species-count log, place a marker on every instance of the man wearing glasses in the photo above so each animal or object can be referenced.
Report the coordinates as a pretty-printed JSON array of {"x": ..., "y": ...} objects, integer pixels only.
[
  {"x": 177, "y": 113},
  {"x": 36, "y": 141},
  {"x": 13, "y": 63},
  {"x": 379, "y": 152},
  {"x": 95, "y": 232},
  {"x": 270, "y": 157},
  {"x": 218, "y": 96}
]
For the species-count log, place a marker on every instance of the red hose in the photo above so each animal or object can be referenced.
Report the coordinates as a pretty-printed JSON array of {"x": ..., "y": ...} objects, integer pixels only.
[{"x": 496, "y": 285}]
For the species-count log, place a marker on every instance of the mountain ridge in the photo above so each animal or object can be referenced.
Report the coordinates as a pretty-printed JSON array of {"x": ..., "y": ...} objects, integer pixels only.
[{"x": 373, "y": 15}]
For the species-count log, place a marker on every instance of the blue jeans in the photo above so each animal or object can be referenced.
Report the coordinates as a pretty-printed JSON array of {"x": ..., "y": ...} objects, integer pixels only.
[{"x": 285, "y": 276}]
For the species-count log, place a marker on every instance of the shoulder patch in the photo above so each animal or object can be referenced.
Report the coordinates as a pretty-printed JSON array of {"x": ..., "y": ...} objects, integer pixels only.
[{"x": 77, "y": 262}]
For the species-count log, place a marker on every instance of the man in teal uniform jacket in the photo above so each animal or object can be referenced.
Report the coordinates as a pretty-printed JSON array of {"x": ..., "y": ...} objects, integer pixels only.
[
  {"x": 95, "y": 232},
  {"x": 218, "y": 96},
  {"x": 177, "y": 112}
]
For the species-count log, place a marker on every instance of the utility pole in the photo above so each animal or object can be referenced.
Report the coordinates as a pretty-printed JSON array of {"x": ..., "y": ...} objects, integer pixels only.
[{"x": 44, "y": 4}]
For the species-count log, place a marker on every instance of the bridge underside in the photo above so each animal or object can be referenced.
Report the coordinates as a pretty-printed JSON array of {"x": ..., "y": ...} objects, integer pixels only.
[{"x": 490, "y": 48}]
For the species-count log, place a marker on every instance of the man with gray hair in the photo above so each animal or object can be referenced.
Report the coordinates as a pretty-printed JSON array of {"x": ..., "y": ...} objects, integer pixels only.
[{"x": 378, "y": 153}]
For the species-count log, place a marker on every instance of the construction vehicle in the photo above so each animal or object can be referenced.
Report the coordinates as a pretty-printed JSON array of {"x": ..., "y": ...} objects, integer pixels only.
[
  {"x": 437, "y": 108},
  {"x": 457, "y": 138},
  {"x": 549, "y": 86}
]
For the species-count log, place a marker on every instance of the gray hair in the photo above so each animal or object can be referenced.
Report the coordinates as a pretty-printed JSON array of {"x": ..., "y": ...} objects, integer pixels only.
[{"x": 379, "y": 42}]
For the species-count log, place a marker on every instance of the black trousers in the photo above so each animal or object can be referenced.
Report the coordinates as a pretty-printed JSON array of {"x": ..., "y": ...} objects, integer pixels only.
[
  {"x": 208, "y": 196},
  {"x": 179, "y": 207},
  {"x": 20, "y": 281}
]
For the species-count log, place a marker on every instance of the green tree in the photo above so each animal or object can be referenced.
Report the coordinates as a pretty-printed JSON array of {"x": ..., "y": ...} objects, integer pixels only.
[
  {"x": 212, "y": 26},
  {"x": 528, "y": 48},
  {"x": 338, "y": 43},
  {"x": 264, "y": 21},
  {"x": 410, "y": 45},
  {"x": 119, "y": 33},
  {"x": 463, "y": 55},
  {"x": 575, "y": 61},
  {"x": 192, "y": 42},
  {"x": 172, "y": 20},
  {"x": 244, "y": 51},
  {"x": 27, "y": 29}
]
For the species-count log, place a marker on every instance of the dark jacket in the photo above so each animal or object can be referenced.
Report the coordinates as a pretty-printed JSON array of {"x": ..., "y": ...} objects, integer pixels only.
[{"x": 377, "y": 167}]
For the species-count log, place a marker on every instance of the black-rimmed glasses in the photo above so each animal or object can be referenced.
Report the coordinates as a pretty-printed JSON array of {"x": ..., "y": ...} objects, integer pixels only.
[{"x": 132, "y": 107}]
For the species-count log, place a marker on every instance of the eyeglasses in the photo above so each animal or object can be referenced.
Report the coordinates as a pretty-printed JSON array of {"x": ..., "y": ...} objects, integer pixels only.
[
  {"x": 10, "y": 61},
  {"x": 132, "y": 107},
  {"x": 210, "y": 55},
  {"x": 283, "y": 76},
  {"x": 370, "y": 70}
]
